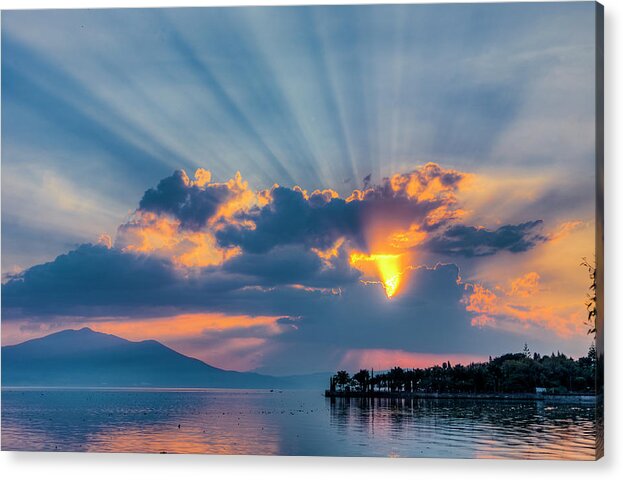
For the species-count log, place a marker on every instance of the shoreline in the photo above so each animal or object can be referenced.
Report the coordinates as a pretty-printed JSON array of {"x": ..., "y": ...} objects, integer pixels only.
[{"x": 548, "y": 398}]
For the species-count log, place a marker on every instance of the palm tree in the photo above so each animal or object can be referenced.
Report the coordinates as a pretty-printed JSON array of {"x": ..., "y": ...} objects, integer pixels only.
[
  {"x": 362, "y": 377},
  {"x": 396, "y": 379},
  {"x": 342, "y": 379}
]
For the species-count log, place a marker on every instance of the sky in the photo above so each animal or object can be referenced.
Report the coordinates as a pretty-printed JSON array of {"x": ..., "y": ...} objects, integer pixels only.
[{"x": 300, "y": 189}]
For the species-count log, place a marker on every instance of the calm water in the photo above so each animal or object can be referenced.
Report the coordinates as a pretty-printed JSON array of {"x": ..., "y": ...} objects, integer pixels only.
[{"x": 290, "y": 423}]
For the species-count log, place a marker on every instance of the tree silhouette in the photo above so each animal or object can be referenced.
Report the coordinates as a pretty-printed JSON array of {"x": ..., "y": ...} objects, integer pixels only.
[
  {"x": 342, "y": 379},
  {"x": 526, "y": 350},
  {"x": 362, "y": 377},
  {"x": 591, "y": 297},
  {"x": 509, "y": 373}
]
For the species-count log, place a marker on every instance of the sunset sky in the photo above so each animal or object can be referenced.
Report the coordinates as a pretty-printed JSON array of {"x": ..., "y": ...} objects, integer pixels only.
[{"x": 293, "y": 190}]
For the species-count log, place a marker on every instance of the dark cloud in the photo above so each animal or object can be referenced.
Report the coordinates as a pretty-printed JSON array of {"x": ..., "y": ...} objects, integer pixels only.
[
  {"x": 291, "y": 218},
  {"x": 471, "y": 241},
  {"x": 316, "y": 324},
  {"x": 320, "y": 219},
  {"x": 178, "y": 196},
  {"x": 94, "y": 280},
  {"x": 287, "y": 265},
  {"x": 87, "y": 275},
  {"x": 428, "y": 317}
]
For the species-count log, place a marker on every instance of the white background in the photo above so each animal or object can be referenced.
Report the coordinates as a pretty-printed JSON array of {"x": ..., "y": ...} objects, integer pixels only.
[{"x": 104, "y": 466}]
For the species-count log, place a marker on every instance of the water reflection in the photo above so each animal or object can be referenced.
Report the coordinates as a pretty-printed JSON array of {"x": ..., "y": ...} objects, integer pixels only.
[
  {"x": 469, "y": 428},
  {"x": 136, "y": 421},
  {"x": 291, "y": 423}
]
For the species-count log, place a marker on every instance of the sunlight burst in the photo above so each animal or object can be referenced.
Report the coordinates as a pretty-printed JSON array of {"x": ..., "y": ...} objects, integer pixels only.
[{"x": 387, "y": 266}]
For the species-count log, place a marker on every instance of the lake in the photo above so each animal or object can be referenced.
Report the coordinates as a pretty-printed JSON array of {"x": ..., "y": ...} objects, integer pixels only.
[{"x": 291, "y": 423}]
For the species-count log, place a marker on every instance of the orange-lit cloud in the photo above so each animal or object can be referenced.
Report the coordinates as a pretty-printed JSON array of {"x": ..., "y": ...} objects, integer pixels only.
[
  {"x": 526, "y": 285},
  {"x": 482, "y": 302},
  {"x": 391, "y": 238},
  {"x": 161, "y": 235},
  {"x": 522, "y": 306},
  {"x": 242, "y": 198},
  {"x": 430, "y": 182},
  {"x": 565, "y": 229},
  {"x": 329, "y": 253},
  {"x": 105, "y": 239},
  {"x": 182, "y": 326},
  {"x": 225, "y": 341},
  {"x": 407, "y": 239}
]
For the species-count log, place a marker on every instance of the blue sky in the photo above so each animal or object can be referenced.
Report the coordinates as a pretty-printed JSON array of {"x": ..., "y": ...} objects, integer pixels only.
[{"x": 99, "y": 106}]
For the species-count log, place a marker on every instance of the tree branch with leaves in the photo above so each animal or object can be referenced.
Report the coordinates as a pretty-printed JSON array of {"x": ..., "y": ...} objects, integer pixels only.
[{"x": 591, "y": 297}]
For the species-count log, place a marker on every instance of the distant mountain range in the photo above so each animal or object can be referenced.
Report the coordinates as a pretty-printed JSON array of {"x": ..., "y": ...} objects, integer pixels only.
[{"x": 85, "y": 358}]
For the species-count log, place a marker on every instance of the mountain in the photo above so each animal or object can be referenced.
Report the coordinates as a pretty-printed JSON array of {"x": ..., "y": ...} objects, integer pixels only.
[{"x": 81, "y": 358}]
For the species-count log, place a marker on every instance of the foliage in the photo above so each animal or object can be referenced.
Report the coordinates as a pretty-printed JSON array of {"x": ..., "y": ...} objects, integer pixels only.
[
  {"x": 591, "y": 297},
  {"x": 510, "y": 373},
  {"x": 342, "y": 379}
]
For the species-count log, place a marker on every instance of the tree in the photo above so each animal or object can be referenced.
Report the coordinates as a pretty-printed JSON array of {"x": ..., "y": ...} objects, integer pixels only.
[
  {"x": 509, "y": 373},
  {"x": 591, "y": 297},
  {"x": 342, "y": 379},
  {"x": 592, "y": 354},
  {"x": 396, "y": 379},
  {"x": 526, "y": 350},
  {"x": 362, "y": 377}
]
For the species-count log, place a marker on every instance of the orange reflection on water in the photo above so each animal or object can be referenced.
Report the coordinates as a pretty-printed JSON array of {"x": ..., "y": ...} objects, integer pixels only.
[{"x": 223, "y": 436}]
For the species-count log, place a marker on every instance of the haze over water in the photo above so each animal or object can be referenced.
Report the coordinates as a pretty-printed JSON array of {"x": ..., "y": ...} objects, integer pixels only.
[{"x": 291, "y": 423}]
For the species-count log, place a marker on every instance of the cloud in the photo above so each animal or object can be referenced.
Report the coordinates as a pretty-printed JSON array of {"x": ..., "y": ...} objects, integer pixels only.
[
  {"x": 293, "y": 217},
  {"x": 424, "y": 196},
  {"x": 294, "y": 265},
  {"x": 526, "y": 285},
  {"x": 198, "y": 244},
  {"x": 565, "y": 229},
  {"x": 95, "y": 281},
  {"x": 192, "y": 202},
  {"x": 483, "y": 303},
  {"x": 178, "y": 219},
  {"x": 163, "y": 236},
  {"x": 87, "y": 276},
  {"x": 469, "y": 241},
  {"x": 523, "y": 307},
  {"x": 308, "y": 120},
  {"x": 428, "y": 317},
  {"x": 317, "y": 265},
  {"x": 198, "y": 223}
]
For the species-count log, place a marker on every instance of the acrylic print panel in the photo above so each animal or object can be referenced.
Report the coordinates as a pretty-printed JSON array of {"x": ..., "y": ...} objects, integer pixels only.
[{"x": 350, "y": 231}]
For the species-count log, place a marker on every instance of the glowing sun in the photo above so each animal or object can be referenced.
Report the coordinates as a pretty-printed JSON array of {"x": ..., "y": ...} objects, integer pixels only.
[{"x": 387, "y": 266}]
